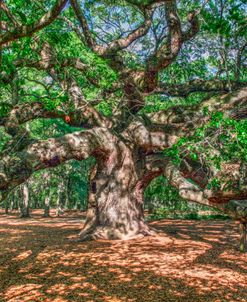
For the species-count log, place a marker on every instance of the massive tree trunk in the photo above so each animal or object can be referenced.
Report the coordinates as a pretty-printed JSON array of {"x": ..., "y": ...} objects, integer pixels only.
[{"x": 115, "y": 205}]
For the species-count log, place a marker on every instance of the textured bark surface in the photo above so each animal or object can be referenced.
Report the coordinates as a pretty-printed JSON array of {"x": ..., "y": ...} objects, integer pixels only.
[{"x": 116, "y": 197}]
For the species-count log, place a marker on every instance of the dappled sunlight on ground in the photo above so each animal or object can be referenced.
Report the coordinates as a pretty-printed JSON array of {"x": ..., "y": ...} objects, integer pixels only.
[{"x": 187, "y": 261}]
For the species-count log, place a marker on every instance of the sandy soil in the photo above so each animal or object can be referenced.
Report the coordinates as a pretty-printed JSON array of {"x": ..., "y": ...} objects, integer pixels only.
[{"x": 189, "y": 261}]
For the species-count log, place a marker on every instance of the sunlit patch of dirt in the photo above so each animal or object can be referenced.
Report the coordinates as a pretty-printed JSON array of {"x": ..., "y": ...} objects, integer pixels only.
[{"x": 186, "y": 261}]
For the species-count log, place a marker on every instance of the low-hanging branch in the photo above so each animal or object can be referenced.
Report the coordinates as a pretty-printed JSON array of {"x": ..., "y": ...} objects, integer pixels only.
[
  {"x": 45, "y": 154},
  {"x": 232, "y": 104},
  {"x": 223, "y": 200},
  {"x": 196, "y": 85}
]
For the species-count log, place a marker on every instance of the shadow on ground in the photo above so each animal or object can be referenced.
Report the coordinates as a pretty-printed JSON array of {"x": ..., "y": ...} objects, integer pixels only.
[{"x": 188, "y": 261}]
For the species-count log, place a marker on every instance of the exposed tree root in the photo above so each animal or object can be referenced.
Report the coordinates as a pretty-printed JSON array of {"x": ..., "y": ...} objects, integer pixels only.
[{"x": 110, "y": 233}]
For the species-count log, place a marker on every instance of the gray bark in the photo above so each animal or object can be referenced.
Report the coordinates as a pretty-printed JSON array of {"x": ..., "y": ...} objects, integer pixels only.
[
  {"x": 115, "y": 205},
  {"x": 47, "y": 206},
  {"x": 24, "y": 202},
  {"x": 243, "y": 232},
  {"x": 59, "y": 209}
]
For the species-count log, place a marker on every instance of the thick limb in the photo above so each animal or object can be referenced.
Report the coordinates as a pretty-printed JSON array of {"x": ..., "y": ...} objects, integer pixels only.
[{"x": 15, "y": 169}]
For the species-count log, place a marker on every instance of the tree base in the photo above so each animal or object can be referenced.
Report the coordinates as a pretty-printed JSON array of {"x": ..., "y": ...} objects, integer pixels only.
[
  {"x": 110, "y": 233},
  {"x": 25, "y": 216}
]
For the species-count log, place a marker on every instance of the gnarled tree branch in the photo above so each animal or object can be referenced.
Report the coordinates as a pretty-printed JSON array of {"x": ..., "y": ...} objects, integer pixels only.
[
  {"x": 197, "y": 85},
  {"x": 17, "y": 168},
  {"x": 27, "y": 30},
  {"x": 224, "y": 201},
  {"x": 232, "y": 104},
  {"x": 167, "y": 52}
]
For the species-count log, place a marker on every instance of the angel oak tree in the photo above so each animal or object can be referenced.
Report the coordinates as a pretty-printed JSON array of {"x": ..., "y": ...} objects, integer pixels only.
[{"x": 128, "y": 145}]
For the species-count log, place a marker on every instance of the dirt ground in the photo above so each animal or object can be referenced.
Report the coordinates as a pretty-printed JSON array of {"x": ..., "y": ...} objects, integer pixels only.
[{"x": 189, "y": 261}]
